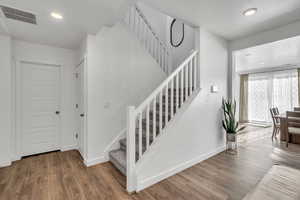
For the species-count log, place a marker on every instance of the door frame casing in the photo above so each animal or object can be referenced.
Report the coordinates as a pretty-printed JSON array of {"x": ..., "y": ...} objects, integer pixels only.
[
  {"x": 17, "y": 107},
  {"x": 84, "y": 104}
]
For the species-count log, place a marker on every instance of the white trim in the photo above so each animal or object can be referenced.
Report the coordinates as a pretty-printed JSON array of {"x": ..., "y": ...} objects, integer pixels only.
[
  {"x": 142, "y": 184},
  {"x": 271, "y": 69},
  {"x": 111, "y": 146},
  {"x": 6, "y": 163},
  {"x": 69, "y": 147},
  {"x": 95, "y": 161},
  {"x": 85, "y": 106},
  {"x": 3, "y": 23},
  {"x": 115, "y": 143},
  {"x": 80, "y": 140}
]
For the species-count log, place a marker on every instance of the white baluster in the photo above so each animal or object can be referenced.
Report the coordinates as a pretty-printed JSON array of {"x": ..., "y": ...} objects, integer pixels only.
[
  {"x": 167, "y": 104},
  {"x": 190, "y": 77},
  {"x": 186, "y": 82},
  {"x": 135, "y": 22},
  {"x": 131, "y": 20},
  {"x": 147, "y": 127},
  {"x": 146, "y": 38},
  {"x": 139, "y": 28},
  {"x": 167, "y": 61},
  {"x": 160, "y": 112},
  {"x": 158, "y": 52},
  {"x": 163, "y": 58},
  {"x": 140, "y": 135},
  {"x": 195, "y": 72},
  {"x": 177, "y": 91},
  {"x": 145, "y": 35},
  {"x": 182, "y": 79},
  {"x": 152, "y": 47},
  {"x": 172, "y": 98},
  {"x": 130, "y": 148},
  {"x": 154, "y": 119}
]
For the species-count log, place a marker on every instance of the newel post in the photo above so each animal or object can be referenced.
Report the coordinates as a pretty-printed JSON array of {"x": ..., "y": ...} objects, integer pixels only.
[{"x": 131, "y": 178}]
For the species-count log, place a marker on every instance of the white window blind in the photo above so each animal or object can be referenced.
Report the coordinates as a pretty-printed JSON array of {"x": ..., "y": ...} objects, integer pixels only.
[{"x": 272, "y": 89}]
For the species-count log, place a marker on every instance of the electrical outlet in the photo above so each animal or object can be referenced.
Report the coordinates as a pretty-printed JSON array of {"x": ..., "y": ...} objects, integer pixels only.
[{"x": 76, "y": 135}]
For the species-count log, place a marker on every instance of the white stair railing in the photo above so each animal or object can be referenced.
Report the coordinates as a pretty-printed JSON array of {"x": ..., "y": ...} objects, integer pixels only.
[
  {"x": 138, "y": 23},
  {"x": 160, "y": 107}
]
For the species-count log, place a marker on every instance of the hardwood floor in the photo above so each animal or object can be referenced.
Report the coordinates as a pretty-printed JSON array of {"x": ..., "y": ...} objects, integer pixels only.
[{"x": 61, "y": 175}]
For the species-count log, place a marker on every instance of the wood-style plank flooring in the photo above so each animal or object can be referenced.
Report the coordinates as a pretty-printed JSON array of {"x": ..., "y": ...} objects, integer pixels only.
[{"x": 62, "y": 176}]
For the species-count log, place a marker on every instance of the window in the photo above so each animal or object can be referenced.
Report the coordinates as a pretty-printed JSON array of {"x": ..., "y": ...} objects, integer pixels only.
[{"x": 275, "y": 89}]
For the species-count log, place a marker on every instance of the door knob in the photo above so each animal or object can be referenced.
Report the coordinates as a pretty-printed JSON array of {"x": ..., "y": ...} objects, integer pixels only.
[
  {"x": 82, "y": 115},
  {"x": 57, "y": 112}
]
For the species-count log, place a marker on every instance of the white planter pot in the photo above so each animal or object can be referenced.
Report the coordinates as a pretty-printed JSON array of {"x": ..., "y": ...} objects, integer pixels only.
[{"x": 231, "y": 137}]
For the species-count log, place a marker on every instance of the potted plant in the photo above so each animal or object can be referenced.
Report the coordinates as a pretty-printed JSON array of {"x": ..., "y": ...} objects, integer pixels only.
[{"x": 230, "y": 124}]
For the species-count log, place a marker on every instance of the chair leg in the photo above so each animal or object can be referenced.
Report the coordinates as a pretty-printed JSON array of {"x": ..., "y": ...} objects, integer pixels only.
[
  {"x": 274, "y": 129},
  {"x": 287, "y": 140},
  {"x": 277, "y": 132}
]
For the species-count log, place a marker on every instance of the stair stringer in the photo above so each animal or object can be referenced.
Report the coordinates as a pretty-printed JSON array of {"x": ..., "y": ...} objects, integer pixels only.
[{"x": 152, "y": 151}]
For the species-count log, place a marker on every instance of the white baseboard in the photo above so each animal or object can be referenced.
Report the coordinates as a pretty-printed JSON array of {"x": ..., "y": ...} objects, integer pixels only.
[
  {"x": 111, "y": 146},
  {"x": 142, "y": 184},
  {"x": 69, "y": 147},
  {"x": 95, "y": 161},
  {"x": 5, "y": 163},
  {"x": 115, "y": 142}
]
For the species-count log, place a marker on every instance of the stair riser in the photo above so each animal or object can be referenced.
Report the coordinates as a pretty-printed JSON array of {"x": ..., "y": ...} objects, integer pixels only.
[{"x": 121, "y": 168}]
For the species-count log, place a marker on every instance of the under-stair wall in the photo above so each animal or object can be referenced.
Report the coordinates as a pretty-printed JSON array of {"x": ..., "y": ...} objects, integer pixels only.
[
  {"x": 119, "y": 73},
  {"x": 196, "y": 134}
]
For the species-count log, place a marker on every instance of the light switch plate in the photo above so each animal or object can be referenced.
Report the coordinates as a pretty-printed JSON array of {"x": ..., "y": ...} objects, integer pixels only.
[{"x": 214, "y": 89}]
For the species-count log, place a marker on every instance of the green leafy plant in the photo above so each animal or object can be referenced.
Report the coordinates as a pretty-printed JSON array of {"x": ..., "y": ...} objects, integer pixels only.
[{"x": 229, "y": 123}]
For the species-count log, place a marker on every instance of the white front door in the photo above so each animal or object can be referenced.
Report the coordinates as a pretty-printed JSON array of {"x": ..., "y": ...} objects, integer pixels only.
[{"x": 40, "y": 108}]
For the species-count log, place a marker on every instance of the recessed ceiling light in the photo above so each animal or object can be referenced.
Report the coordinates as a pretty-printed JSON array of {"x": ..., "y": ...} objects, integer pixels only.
[
  {"x": 250, "y": 11},
  {"x": 56, "y": 15}
]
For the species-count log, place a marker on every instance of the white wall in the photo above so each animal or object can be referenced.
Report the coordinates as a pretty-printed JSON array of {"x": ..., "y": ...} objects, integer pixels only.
[
  {"x": 198, "y": 133},
  {"x": 120, "y": 73},
  {"x": 81, "y": 51},
  {"x": 179, "y": 54},
  {"x": 289, "y": 30},
  {"x": 24, "y": 51},
  {"x": 5, "y": 100}
]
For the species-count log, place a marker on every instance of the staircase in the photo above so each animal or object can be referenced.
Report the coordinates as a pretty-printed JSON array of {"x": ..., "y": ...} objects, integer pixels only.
[{"x": 150, "y": 120}]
